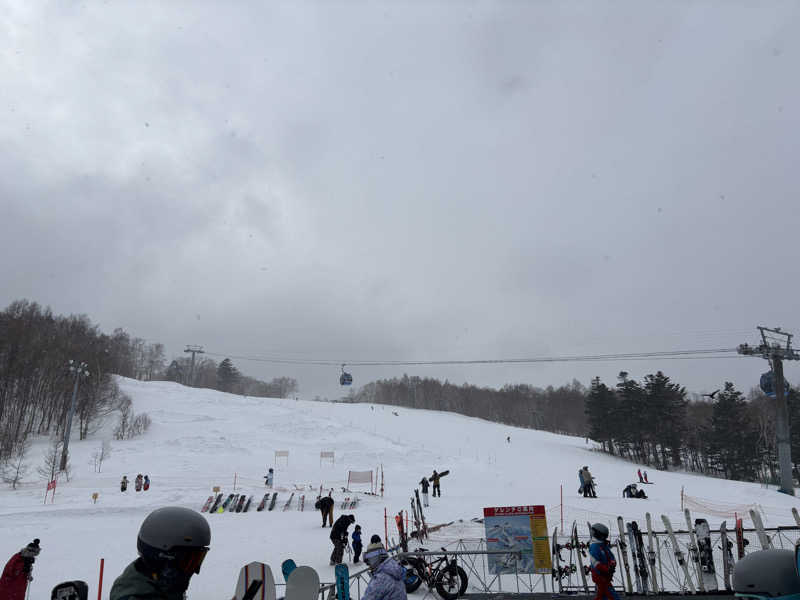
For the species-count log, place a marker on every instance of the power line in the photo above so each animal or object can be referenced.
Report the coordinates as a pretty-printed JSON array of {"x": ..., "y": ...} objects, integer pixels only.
[{"x": 668, "y": 355}]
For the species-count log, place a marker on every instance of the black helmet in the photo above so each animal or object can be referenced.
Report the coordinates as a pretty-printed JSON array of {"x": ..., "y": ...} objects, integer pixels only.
[
  {"x": 771, "y": 573},
  {"x": 599, "y": 532},
  {"x": 173, "y": 541}
]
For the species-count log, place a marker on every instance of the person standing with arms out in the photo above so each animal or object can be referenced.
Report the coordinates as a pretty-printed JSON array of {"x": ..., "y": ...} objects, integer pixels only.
[
  {"x": 437, "y": 490},
  {"x": 17, "y": 573},
  {"x": 425, "y": 485},
  {"x": 172, "y": 543},
  {"x": 603, "y": 563},
  {"x": 357, "y": 543},
  {"x": 269, "y": 478}
]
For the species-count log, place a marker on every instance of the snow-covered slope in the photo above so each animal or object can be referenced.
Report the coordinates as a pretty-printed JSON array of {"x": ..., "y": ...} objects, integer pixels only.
[{"x": 201, "y": 438}]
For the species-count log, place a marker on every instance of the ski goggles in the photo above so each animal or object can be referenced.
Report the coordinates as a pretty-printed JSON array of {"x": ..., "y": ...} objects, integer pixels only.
[{"x": 189, "y": 560}]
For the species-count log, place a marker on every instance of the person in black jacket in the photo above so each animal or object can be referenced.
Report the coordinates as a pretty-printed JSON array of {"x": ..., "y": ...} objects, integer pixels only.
[
  {"x": 424, "y": 484},
  {"x": 436, "y": 486},
  {"x": 325, "y": 506},
  {"x": 339, "y": 537}
]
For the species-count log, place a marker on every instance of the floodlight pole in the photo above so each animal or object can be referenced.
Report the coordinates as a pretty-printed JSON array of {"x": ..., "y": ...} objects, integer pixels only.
[
  {"x": 776, "y": 354},
  {"x": 79, "y": 369}
]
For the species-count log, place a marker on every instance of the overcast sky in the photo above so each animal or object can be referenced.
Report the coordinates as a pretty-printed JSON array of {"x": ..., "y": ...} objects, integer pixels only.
[{"x": 408, "y": 180}]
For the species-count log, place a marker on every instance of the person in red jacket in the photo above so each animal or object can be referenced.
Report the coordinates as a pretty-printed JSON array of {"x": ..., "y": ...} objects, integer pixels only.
[{"x": 17, "y": 574}]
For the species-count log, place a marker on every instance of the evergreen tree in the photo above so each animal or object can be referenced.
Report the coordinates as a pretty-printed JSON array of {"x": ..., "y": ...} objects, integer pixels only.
[
  {"x": 732, "y": 440},
  {"x": 600, "y": 407},
  {"x": 665, "y": 414},
  {"x": 227, "y": 375},
  {"x": 630, "y": 414}
]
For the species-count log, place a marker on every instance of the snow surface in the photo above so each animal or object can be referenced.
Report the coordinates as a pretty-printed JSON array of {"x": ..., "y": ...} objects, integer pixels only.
[{"x": 199, "y": 438}]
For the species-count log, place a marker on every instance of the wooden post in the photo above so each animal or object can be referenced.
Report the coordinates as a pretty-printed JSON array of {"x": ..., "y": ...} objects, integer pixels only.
[{"x": 100, "y": 584}]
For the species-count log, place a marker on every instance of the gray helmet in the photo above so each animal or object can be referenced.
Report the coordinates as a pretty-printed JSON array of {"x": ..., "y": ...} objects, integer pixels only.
[
  {"x": 770, "y": 573},
  {"x": 600, "y": 532},
  {"x": 173, "y": 527}
]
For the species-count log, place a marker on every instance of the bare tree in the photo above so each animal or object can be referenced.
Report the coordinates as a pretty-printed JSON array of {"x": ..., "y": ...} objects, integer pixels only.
[
  {"x": 17, "y": 467},
  {"x": 52, "y": 460},
  {"x": 102, "y": 453}
]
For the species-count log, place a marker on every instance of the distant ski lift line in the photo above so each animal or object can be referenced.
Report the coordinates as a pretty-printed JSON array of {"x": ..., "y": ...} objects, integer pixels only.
[{"x": 667, "y": 355}]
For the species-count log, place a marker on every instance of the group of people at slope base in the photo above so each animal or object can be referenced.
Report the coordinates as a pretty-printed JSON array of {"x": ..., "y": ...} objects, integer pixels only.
[
  {"x": 173, "y": 543},
  {"x": 18, "y": 572},
  {"x": 587, "y": 483},
  {"x": 141, "y": 483}
]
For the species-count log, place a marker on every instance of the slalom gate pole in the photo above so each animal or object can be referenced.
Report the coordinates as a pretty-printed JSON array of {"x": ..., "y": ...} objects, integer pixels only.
[
  {"x": 385, "y": 526},
  {"x": 100, "y": 584},
  {"x": 562, "y": 507}
]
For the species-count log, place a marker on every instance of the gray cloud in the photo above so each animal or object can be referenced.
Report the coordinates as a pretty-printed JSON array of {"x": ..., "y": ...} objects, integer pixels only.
[{"x": 405, "y": 181}]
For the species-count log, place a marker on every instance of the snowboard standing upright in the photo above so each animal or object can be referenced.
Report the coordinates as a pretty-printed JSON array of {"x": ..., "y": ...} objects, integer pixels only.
[
  {"x": 706, "y": 554},
  {"x": 342, "y": 582},
  {"x": 303, "y": 584},
  {"x": 766, "y": 543},
  {"x": 651, "y": 554},
  {"x": 272, "y": 502},
  {"x": 579, "y": 554},
  {"x": 632, "y": 546},
  {"x": 727, "y": 555},
  {"x": 740, "y": 538},
  {"x": 251, "y": 573},
  {"x": 641, "y": 557}
]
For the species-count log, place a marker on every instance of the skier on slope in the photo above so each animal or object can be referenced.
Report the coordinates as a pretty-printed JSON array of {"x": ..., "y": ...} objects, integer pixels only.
[
  {"x": 172, "y": 543},
  {"x": 325, "y": 506},
  {"x": 357, "y": 543},
  {"x": 17, "y": 573},
  {"x": 339, "y": 537},
  {"x": 388, "y": 577},
  {"x": 424, "y": 484},
  {"x": 602, "y": 563}
]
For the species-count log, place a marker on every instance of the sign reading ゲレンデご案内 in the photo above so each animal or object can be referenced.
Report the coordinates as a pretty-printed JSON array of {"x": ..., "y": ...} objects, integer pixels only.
[{"x": 520, "y": 529}]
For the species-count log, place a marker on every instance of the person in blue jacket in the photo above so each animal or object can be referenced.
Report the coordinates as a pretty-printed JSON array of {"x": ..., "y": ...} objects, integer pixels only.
[
  {"x": 603, "y": 563},
  {"x": 388, "y": 577},
  {"x": 357, "y": 543}
]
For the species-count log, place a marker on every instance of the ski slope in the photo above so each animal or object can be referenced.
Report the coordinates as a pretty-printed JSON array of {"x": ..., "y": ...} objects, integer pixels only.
[{"x": 201, "y": 438}]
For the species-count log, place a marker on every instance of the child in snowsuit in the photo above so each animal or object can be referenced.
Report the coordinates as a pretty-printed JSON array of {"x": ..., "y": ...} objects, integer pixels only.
[
  {"x": 269, "y": 478},
  {"x": 146, "y": 485},
  {"x": 123, "y": 485},
  {"x": 357, "y": 543},
  {"x": 602, "y": 563},
  {"x": 437, "y": 491},
  {"x": 425, "y": 485},
  {"x": 17, "y": 574}
]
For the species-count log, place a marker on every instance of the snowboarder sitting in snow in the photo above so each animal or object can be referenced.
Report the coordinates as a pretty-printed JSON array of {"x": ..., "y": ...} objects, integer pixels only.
[
  {"x": 602, "y": 563},
  {"x": 17, "y": 574},
  {"x": 172, "y": 543},
  {"x": 588, "y": 484},
  {"x": 631, "y": 491},
  {"x": 388, "y": 577},
  {"x": 269, "y": 478},
  {"x": 339, "y": 537},
  {"x": 425, "y": 485},
  {"x": 123, "y": 485},
  {"x": 325, "y": 506},
  {"x": 437, "y": 490},
  {"x": 357, "y": 543}
]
